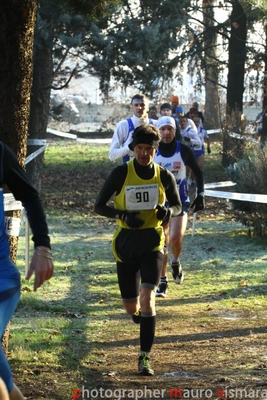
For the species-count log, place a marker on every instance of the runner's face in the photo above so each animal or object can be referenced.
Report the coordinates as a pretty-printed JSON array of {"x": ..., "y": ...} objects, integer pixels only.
[
  {"x": 183, "y": 122},
  {"x": 144, "y": 154},
  {"x": 196, "y": 121},
  {"x": 153, "y": 114},
  {"x": 167, "y": 133},
  {"x": 166, "y": 111},
  {"x": 139, "y": 109}
]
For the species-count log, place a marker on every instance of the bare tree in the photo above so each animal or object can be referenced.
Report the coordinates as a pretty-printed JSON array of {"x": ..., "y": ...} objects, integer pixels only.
[
  {"x": 237, "y": 57},
  {"x": 212, "y": 103}
]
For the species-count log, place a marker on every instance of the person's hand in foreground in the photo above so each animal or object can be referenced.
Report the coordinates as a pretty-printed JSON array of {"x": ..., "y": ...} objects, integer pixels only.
[{"x": 41, "y": 265}]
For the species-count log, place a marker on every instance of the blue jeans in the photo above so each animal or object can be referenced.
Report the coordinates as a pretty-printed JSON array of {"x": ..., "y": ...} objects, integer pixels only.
[{"x": 9, "y": 298}]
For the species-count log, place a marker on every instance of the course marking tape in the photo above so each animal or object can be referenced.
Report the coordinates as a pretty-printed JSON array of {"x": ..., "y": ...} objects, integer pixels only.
[
  {"x": 255, "y": 198},
  {"x": 34, "y": 154},
  {"x": 101, "y": 141},
  {"x": 10, "y": 203},
  {"x": 64, "y": 134},
  {"x": 36, "y": 142},
  {"x": 219, "y": 184}
]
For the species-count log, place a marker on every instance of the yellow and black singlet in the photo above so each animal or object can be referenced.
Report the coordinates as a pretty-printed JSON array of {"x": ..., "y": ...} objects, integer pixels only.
[{"x": 142, "y": 195}]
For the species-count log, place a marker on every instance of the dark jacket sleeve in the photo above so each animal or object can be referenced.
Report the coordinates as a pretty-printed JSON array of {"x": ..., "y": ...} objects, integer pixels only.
[
  {"x": 113, "y": 184},
  {"x": 14, "y": 177},
  {"x": 191, "y": 161}
]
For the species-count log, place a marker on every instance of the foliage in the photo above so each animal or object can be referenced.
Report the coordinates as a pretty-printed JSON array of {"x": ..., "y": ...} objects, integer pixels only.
[
  {"x": 145, "y": 44},
  {"x": 62, "y": 26},
  {"x": 141, "y": 43},
  {"x": 136, "y": 45},
  {"x": 93, "y": 9},
  {"x": 250, "y": 175}
]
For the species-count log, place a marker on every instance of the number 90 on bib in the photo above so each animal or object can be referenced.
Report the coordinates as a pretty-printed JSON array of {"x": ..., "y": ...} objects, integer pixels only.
[{"x": 144, "y": 197}]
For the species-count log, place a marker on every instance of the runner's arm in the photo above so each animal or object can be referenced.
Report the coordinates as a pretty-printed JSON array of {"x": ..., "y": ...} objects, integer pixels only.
[
  {"x": 13, "y": 175},
  {"x": 191, "y": 161},
  {"x": 112, "y": 184},
  {"x": 194, "y": 138},
  {"x": 16, "y": 180},
  {"x": 119, "y": 145}
]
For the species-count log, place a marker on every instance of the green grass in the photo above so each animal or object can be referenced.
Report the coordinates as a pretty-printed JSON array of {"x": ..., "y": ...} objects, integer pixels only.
[
  {"x": 63, "y": 334},
  {"x": 65, "y": 155}
]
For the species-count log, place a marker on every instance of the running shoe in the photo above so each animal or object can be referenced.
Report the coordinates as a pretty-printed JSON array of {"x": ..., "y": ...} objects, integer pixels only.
[
  {"x": 162, "y": 289},
  {"x": 177, "y": 272},
  {"x": 144, "y": 367}
]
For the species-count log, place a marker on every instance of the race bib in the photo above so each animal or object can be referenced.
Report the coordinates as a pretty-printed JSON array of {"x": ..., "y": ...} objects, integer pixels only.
[
  {"x": 197, "y": 147},
  {"x": 144, "y": 197}
]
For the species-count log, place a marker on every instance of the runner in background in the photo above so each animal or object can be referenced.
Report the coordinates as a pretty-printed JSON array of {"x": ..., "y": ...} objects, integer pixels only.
[
  {"x": 152, "y": 113},
  {"x": 175, "y": 104},
  {"x": 122, "y": 136},
  {"x": 166, "y": 110},
  {"x": 175, "y": 156},
  {"x": 195, "y": 111},
  {"x": 191, "y": 138},
  {"x": 179, "y": 112},
  {"x": 202, "y": 133}
]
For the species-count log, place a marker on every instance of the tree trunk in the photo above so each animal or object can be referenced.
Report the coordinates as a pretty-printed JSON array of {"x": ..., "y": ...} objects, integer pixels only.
[
  {"x": 264, "y": 119},
  {"x": 40, "y": 103},
  {"x": 16, "y": 43},
  {"x": 237, "y": 57},
  {"x": 212, "y": 103}
]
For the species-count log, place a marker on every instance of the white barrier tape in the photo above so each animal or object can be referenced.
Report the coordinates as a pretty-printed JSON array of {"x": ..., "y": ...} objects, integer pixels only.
[
  {"x": 81, "y": 140},
  {"x": 64, "y": 134},
  {"x": 27, "y": 247},
  {"x": 238, "y": 136},
  {"x": 35, "y": 154},
  {"x": 211, "y": 131},
  {"x": 219, "y": 184},
  {"x": 72, "y": 136},
  {"x": 36, "y": 142},
  {"x": 12, "y": 226},
  {"x": 10, "y": 203},
  {"x": 194, "y": 220},
  {"x": 104, "y": 141},
  {"x": 97, "y": 141},
  {"x": 255, "y": 198}
]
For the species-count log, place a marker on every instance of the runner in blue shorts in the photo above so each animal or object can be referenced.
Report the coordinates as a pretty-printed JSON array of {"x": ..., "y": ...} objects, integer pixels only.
[
  {"x": 203, "y": 134},
  {"x": 176, "y": 156}
]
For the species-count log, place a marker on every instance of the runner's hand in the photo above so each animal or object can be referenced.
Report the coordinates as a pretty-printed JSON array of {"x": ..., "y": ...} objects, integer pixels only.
[
  {"x": 163, "y": 213},
  {"x": 130, "y": 218},
  {"x": 41, "y": 266},
  {"x": 198, "y": 203}
]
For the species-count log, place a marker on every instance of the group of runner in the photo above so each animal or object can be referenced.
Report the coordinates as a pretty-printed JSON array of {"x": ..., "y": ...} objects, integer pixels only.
[{"x": 151, "y": 204}]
